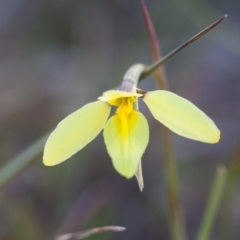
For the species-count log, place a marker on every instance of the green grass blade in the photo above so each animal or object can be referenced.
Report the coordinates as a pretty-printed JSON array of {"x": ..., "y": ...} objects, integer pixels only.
[
  {"x": 213, "y": 204},
  {"x": 17, "y": 164}
]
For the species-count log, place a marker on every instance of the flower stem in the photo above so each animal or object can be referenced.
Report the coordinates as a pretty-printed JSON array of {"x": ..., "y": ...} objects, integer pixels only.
[
  {"x": 176, "y": 220},
  {"x": 149, "y": 70}
]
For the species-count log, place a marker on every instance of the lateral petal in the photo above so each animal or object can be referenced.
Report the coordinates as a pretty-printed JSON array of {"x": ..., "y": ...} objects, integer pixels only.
[
  {"x": 126, "y": 141},
  {"x": 181, "y": 116},
  {"x": 75, "y": 132}
]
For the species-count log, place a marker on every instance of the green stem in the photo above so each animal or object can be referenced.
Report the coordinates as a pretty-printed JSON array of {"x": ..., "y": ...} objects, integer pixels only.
[
  {"x": 132, "y": 76},
  {"x": 149, "y": 70},
  {"x": 213, "y": 204}
]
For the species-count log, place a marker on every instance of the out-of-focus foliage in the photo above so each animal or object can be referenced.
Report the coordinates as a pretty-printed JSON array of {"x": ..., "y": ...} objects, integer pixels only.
[{"x": 57, "y": 55}]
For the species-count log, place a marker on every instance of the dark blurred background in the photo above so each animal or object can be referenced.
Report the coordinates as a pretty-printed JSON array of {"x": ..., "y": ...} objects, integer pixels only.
[{"x": 56, "y": 56}]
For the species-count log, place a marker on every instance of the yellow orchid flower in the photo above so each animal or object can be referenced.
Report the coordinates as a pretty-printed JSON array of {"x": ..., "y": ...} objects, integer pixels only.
[{"x": 126, "y": 133}]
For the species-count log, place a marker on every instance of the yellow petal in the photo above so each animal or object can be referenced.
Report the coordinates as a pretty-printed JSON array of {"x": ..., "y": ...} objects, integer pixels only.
[
  {"x": 75, "y": 132},
  {"x": 181, "y": 116},
  {"x": 126, "y": 147},
  {"x": 114, "y": 94}
]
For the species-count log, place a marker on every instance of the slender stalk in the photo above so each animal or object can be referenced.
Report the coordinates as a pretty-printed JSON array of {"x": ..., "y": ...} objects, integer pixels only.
[
  {"x": 16, "y": 165},
  {"x": 155, "y": 48},
  {"x": 213, "y": 204},
  {"x": 149, "y": 70},
  {"x": 176, "y": 220}
]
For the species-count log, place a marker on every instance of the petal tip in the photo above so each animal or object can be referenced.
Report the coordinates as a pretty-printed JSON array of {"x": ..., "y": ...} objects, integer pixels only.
[
  {"x": 47, "y": 163},
  {"x": 128, "y": 176},
  {"x": 125, "y": 172},
  {"x": 217, "y": 137}
]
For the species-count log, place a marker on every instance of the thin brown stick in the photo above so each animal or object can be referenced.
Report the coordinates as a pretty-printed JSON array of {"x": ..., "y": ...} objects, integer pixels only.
[
  {"x": 155, "y": 47},
  {"x": 176, "y": 221}
]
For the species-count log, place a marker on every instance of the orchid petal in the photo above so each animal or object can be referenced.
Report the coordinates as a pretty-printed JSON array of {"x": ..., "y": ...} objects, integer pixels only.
[
  {"x": 181, "y": 116},
  {"x": 126, "y": 141},
  {"x": 75, "y": 132}
]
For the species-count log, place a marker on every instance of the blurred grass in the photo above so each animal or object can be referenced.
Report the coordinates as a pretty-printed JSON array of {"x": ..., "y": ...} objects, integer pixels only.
[
  {"x": 21, "y": 161},
  {"x": 215, "y": 198}
]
